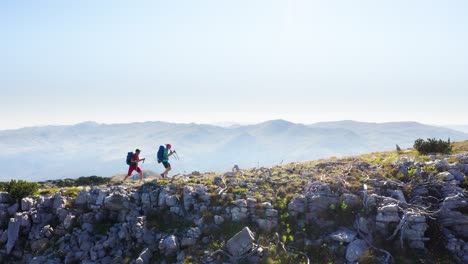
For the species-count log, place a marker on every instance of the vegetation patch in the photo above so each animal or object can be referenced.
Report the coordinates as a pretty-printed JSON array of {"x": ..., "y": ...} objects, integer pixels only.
[
  {"x": 19, "y": 189},
  {"x": 431, "y": 145}
]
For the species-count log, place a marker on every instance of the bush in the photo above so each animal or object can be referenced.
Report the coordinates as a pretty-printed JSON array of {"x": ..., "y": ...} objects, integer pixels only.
[
  {"x": 432, "y": 146},
  {"x": 20, "y": 189},
  {"x": 91, "y": 180}
]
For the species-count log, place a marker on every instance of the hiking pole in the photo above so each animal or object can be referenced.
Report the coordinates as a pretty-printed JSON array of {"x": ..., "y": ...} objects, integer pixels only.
[
  {"x": 175, "y": 155},
  {"x": 142, "y": 167}
]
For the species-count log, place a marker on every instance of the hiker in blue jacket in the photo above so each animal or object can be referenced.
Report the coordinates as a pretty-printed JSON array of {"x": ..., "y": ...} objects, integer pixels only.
[{"x": 165, "y": 160}]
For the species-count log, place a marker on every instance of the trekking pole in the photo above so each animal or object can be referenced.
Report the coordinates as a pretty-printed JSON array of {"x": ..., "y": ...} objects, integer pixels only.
[
  {"x": 142, "y": 166},
  {"x": 175, "y": 155}
]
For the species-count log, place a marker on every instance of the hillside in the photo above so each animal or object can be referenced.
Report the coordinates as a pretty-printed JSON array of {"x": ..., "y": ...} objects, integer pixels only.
[
  {"x": 383, "y": 207},
  {"x": 57, "y": 152}
]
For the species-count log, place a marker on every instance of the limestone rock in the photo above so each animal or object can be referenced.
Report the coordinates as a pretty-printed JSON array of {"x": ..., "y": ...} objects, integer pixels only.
[
  {"x": 241, "y": 243},
  {"x": 457, "y": 174},
  {"x": 5, "y": 198},
  {"x": 445, "y": 176},
  {"x": 117, "y": 202},
  {"x": 343, "y": 235},
  {"x": 351, "y": 200},
  {"x": 356, "y": 250},
  {"x": 27, "y": 203},
  {"x": 13, "y": 233},
  {"x": 218, "y": 219},
  {"x": 82, "y": 198},
  {"x": 169, "y": 245}
]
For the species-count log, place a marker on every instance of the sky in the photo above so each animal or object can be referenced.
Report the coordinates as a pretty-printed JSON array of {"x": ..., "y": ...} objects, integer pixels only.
[{"x": 65, "y": 62}]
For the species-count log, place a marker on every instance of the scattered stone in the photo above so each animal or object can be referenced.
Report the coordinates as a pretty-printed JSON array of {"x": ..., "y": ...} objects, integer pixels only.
[
  {"x": 446, "y": 176},
  {"x": 218, "y": 219},
  {"x": 13, "y": 233},
  {"x": 356, "y": 250},
  {"x": 117, "y": 202},
  {"x": 5, "y": 198},
  {"x": 241, "y": 243},
  {"x": 343, "y": 235},
  {"x": 169, "y": 245},
  {"x": 27, "y": 203}
]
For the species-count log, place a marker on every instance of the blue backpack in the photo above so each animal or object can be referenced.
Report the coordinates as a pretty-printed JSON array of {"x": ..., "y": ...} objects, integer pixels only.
[
  {"x": 129, "y": 158},
  {"x": 160, "y": 155}
]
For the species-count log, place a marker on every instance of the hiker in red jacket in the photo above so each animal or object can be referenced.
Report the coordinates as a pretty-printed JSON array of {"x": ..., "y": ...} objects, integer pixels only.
[{"x": 134, "y": 165}]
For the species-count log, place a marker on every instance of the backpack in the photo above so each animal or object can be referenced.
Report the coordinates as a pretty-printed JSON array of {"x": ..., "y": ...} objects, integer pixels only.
[
  {"x": 129, "y": 158},
  {"x": 160, "y": 155}
]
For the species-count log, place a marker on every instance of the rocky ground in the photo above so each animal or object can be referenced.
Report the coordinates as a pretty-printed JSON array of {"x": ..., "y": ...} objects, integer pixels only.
[{"x": 377, "y": 208}]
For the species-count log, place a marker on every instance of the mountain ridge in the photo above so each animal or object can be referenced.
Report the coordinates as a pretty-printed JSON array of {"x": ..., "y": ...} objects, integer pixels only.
[{"x": 91, "y": 148}]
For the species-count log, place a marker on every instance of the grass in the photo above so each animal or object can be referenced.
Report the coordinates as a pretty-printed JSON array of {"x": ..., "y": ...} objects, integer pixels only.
[
  {"x": 67, "y": 191},
  {"x": 72, "y": 191},
  {"x": 460, "y": 147},
  {"x": 47, "y": 191}
]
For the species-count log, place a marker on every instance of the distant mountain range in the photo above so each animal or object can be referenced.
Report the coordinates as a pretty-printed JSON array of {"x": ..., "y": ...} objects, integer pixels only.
[
  {"x": 462, "y": 128},
  {"x": 53, "y": 152}
]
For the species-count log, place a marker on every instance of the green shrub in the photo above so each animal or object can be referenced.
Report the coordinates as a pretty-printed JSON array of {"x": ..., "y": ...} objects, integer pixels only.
[
  {"x": 432, "y": 146},
  {"x": 91, "y": 180},
  {"x": 20, "y": 189}
]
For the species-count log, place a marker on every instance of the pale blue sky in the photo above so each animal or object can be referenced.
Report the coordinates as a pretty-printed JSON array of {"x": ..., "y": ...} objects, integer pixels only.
[{"x": 63, "y": 62}]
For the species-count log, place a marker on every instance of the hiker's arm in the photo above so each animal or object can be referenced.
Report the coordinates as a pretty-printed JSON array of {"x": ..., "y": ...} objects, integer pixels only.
[{"x": 169, "y": 154}]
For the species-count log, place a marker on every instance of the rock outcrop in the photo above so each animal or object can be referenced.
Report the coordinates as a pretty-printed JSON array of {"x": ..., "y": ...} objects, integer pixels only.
[{"x": 346, "y": 210}]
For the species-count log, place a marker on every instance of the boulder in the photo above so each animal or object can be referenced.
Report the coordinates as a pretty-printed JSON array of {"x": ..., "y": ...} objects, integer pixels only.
[
  {"x": 343, "y": 235},
  {"x": 58, "y": 201},
  {"x": 389, "y": 209},
  {"x": 27, "y": 203},
  {"x": 169, "y": 245},
  {"x": 39, "y": 245},
  {"x": 240, "y": 203},
  {"x": 171, "y": 200},
  {"x": 82, "y": 198},
  {"x": 356, "y": 250},
  {"x": 13, "y": 209},
  {"x": 457, "y": 175},
  {"x": 100, "y": 197},
  {"x": 298, "y": 204},
  {"x": 241, "y": 243},
  {"x": 218, "y": 219},
  {"x": 445, "y": 176},
  {"x": 5, "y": 198},
  {"x": 13, "y": 233},
  {"x": 351, "y": 200},
  {"x": 266, "y": 224},
  {"x": 38, "y": 260},
  {"x": 218, "y": 181},
  {"x": 237, "y": 215},
  {"x": 117, "y": 202},
  {"x": 68, "y": 222}
]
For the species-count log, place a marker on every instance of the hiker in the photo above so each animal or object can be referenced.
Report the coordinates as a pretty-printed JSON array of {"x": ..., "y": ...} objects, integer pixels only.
[
  {"x": 134, "y": 164},
  {"x": 165, "y": 159}
]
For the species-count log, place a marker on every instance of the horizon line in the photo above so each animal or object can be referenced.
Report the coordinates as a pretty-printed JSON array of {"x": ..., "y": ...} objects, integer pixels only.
[{"x": 219, "y": 123}]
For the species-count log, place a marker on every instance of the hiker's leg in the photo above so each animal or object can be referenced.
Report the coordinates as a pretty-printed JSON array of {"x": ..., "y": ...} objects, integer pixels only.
[
  {"x": 166, "y": 172},
  {"x": 140, "y": 173},
  {"x": 130, "y": 170}
]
